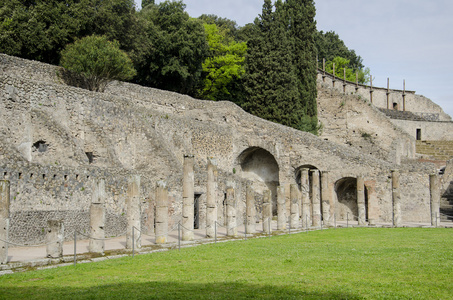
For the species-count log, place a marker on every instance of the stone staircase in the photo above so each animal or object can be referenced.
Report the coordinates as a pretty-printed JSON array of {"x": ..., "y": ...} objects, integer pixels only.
[
  {"x": 438, "y": 150},
  {"x": 401, "y": 115}
]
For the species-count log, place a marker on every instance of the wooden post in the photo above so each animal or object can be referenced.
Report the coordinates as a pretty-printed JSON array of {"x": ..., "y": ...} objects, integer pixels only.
[
  {"x": 388, "y": 92},
  {"x": 404, "y": 95}
]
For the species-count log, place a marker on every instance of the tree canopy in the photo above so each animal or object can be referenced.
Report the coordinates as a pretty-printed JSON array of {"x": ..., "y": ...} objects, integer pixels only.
[
  {"x": 329, "y": 46},
  {"x": 223, "y": 67},
  {"x": 41, "y": 29},
  {"x": 98, "y": 61},
  {"x": 342, "y": 68},
  {"x": 179, "y": 47},
  {"x": 280, "y": 78},
  {"x": 268, "y": 66}
]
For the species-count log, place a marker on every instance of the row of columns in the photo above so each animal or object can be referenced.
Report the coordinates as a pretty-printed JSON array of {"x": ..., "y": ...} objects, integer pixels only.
[{"x": 300, "y": 207}]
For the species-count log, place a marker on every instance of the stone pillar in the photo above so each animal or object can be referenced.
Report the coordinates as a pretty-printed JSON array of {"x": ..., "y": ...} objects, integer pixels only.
[
  {"x": 396, "y": 198},
  {"x": 361, "y": 209},
  {"x": 231, "y": 213},
  {"x": 187, "y": 198},
  {"x": 316, "y": 201},
  {"x": 333, "y": 202},
  {"x": 326, "y": 198},
  {"x": 434, "y": 193},
  {"x": 211, "y": 198},
  {"x": 251, "y": 209},
  {"x": 267, "y": 211},
  {"x": 161, "y": 212},
  {"x": 97, "y": 218},
  {"x": 281, "y": 208},
  {"x": 55, "y": 238},
  {"x": 133, "y": 212},
  {"x": 4, "y": 219},
  {"x": 305, "y": 188},
  {"x": 294, "y": 209}
]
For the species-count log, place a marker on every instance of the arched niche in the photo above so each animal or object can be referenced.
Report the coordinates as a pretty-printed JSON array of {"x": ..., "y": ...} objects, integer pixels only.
[
  {"x": 346, "y": 204},
  {"x": 260, "y": 167}
]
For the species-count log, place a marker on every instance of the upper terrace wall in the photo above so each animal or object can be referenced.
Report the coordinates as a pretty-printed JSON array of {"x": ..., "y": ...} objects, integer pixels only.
[
  {"x": 387, "y": 98},
  {"x": 348, "y": 120},
  {"x": 131, "y": 129}
]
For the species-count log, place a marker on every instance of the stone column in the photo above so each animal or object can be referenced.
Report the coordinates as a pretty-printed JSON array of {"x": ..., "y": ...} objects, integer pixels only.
[
  {"x": 211, "y": 198},
  {"x": 97, "y": 217},
  {"x": 316, "y": 201},
  {"x": 281, "y": 208},
  {"x": 161, "y": 212},
  {"x": 326, "y": 198},
  {"x": 231, "y": 213},
  {"x": 434, "y": 192},
  {"x": 133, "y": 211},
  {"x": 294, "y": 209},
  {"x": 4, "y": 219},
  {"x": 267, "y": 211},
  {"x": 396, "y": 197},
  {"x": 305, "y": 188},
  {"x": 55, "y": 238},
  {"x": 361, "y": 209},
  {"x": 251, "y": 209},
  {"x": 187, "y": 199}
]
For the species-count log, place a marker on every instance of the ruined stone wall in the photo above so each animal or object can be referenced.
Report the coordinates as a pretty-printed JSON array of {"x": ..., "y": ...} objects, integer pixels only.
[
  {"x": 387, "y": 98},
  {"x": 47, "y": 127},
  {"x": 430, "y": 131},
  {"x": 351, "y": 120}
]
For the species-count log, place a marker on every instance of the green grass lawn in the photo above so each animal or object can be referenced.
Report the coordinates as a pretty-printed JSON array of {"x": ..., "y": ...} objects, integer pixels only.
[{"x": 354, "y": 263}]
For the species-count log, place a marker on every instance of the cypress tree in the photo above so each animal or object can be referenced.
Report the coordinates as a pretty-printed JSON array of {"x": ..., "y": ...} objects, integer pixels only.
[
  {"x": 302, "y": 27},
  {"x": 270, "y": 80}
]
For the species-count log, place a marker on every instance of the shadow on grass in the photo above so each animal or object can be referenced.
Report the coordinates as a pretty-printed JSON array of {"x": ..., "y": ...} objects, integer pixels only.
[{"x": 169, "y": 290}]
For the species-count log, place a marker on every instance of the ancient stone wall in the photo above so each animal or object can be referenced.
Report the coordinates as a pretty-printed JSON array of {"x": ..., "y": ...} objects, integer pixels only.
[
  {"x": 429, "y": 131},
  {"x": 351, "y": 120},
  {"x": 387, "y": 98},
  {"x": 49, "y": 128}
]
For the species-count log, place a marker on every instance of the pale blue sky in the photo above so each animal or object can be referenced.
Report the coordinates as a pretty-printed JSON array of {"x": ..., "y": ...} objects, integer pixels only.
[{"x": 399, "y": 39}]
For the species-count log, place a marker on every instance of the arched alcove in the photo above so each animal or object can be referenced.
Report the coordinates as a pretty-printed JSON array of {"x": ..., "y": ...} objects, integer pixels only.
[
  {"x": 346, "y": 192},
  {"x": 259, "y": 166}
]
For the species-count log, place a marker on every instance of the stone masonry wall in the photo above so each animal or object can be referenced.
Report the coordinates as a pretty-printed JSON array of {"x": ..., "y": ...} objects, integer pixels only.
[
  {"x": 49, "y": 128},
  {"x": 350, "y": 120},
  {"x": 414, "y": 103}
]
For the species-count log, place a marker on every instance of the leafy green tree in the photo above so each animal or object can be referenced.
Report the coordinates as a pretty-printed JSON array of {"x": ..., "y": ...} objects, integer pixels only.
[
  {"x": 270, "y": 80},
  {"x": 145, "y": 3},
  {"x": 40, "y": 29},
  {"x": 329, "y": 46},
  {"x": 98, "y": 61},
  {"x": 342, "y": 65},
  {"x": 227, "y": 27},
  {"x": 224, "y": 66},
  {"x": 179, "y": 47}
]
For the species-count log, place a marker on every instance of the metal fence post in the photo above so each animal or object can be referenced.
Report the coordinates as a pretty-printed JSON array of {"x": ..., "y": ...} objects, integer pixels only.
[
  {"x": 269, "y": 224},
  {"x": 133, "y": 241},
  {"x": 347, "y": 220},
  {"x": 246, "y": 229},
  {"x": 215, "y": 232},
  {"x": 335, "y": 221},
  {"x": 179, "y": 236},
  {"x": 437, "y": 220},
  {"x": 75, "y": 247}
]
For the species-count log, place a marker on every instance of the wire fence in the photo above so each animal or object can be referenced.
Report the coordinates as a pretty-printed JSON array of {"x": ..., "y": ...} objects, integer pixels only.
[{"x": 304, "y": 223}]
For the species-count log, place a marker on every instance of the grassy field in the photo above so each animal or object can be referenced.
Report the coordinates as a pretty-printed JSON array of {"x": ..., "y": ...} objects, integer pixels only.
[{"x": 354, "y": 263}]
